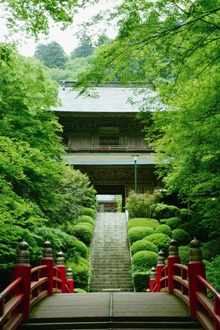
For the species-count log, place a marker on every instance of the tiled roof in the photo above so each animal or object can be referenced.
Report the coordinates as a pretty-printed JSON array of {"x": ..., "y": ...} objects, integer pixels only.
[
  {"x": 109, "y": 158},
  {"x": 111, "y": 99}
]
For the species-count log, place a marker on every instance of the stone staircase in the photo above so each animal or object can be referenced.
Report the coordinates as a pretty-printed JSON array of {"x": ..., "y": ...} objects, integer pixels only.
[{"x": 110, "y": 255}]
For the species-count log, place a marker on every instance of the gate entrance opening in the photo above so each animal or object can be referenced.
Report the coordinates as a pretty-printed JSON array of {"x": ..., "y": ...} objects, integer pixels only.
[
  {"x": 109, "y": 203},
  {"x": 108, "y": 197}
]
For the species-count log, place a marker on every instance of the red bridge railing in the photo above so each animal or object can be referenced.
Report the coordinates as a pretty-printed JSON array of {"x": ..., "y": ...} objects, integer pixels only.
[
  {"x": 30, "y": 285},
  {"x": 189, "y": 284}
]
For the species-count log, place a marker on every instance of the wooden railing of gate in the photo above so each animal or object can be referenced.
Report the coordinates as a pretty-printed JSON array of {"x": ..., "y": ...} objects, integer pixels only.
[
  {"x": 189, "y": 284},
  {"x": 30, "y": 285}
]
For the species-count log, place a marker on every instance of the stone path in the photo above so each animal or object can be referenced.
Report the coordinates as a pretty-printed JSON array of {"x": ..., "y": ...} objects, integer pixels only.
[{"x": 110, "y": 255}]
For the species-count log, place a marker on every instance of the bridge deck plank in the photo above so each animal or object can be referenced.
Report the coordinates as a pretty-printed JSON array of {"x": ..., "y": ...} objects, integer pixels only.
[{"x": 122, "y": 304}]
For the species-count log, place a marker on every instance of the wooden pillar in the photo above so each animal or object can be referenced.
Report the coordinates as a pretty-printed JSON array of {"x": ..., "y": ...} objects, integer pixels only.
[
  {"x": 195, "y": 267},
  {"x": 70, "y": 281},
  {"x": 62, "y": 269},
  {"x": 23, "y": 269},
  {"x": 49, "y": 262},
  {"x": 159, "y": 267},
  {"x": 172, "y": 259},
  {"x": 152, "y": 279}
]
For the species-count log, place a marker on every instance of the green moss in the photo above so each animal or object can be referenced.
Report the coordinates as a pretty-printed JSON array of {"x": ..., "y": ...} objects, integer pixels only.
[
  {"x": 137, "y": 233},
  {"x": 143, "y": 222},
  {"x": 143, "y": 245}
]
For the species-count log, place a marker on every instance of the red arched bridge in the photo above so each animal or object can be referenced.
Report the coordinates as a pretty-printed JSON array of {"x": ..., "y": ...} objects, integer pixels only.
[{"x": 43, "y": 297}]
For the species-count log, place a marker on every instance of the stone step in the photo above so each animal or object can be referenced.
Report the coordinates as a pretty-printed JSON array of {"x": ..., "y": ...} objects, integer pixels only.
[
  {"x": 111, "y": 263},
  {"x": 110, "y": 255}
]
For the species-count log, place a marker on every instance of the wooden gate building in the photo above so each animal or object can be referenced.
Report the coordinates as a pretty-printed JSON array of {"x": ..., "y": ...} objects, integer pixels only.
[{"x": 100, "y": 135}]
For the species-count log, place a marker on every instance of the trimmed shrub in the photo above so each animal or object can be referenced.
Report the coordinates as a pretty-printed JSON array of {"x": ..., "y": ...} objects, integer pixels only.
[
  {"x": 164, "y": 211},
  {"x": 186, "y": 215},
  {"x": 141, "y": 205},
  {"x": 173, "y": 222},
  {"x": 181, "y": 236},
  {"x": 89, "y": 212},
  {"x": 211, "y": 249},
  {"x": 184, "y": 254},
  {"x": 89, "y": 225},
  {"x": 162, "y": 241},
  {"x": 85, "y": 218},
  {"x": 212, "y": 273},
  {"x": 137, "y": 233},
  {"x": 78, "y": 247},
  {"x": 163, "y": 221},
  {"x": 80, "y": 272},
  {"x": 143, "y": 245},
  {"x": 143, "y": 222},
  {"x": 83, "y": 232},
  {"x": 164, "y": 229},
  {"x": 140, "y": 281},
  {"x": 144, "y": 260},
  {"x": 80, "y": 290}
]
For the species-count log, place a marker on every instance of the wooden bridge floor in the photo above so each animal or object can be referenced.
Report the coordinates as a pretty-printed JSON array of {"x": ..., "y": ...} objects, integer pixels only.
[
  {"x": 113, "y": 308},
  {"x": 117, "y": 304}
]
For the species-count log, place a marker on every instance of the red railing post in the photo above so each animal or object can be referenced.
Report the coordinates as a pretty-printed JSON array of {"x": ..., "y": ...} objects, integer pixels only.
[
  {"x": 172, "y": 259},
  {"x": 159, "y": 267},
  {"x": 70, "y": 281},
  {"x": 49, "y": 262},
  {"x": 23, "y": 269},
  {"x": 62, "y": 268},
  {"x": 195, "y": 267},
  {"x": 152, "y": 279}
]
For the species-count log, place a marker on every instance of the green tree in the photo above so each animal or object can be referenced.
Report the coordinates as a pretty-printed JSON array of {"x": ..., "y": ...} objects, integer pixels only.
[
  {"x": 35, "y": 17},
  {"x": 84, "y": 48},
  {"x": 176, "y": 43},
  {"x": 52, "y": 55},
  {"x": 37, "y": 189}
]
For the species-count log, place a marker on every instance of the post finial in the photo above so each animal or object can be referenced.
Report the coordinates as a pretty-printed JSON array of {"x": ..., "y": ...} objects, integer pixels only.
[
  {"x": 60, "y": 259},
  {"x": 153, "y": 273},
  {"x": 160, "y": 259},
  {"x": 69, "y": 274},
  {"x": 195, "y": 254},
  {"x": 23, "y": 255},
  {"x": 173, "y": 248},
  {"x": 47, "y": 252}
]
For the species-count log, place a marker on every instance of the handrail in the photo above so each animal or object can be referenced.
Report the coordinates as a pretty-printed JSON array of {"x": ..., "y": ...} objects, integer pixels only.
[
  {"x": 210, "y": 307},
  {"x": 31, "y": 285},
  {"x": 6, "y": 309},
  {"x": 107, "y": 147},
  {"x": 189, "y": 284}
]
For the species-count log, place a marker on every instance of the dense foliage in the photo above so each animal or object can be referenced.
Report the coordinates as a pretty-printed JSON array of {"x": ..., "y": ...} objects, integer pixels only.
[
  {"x": 143, "y": 222},
  {"x": 142, "y": 245},
  {"x": 173, "y": 48},
  {"x": 34, "y": 17},
  {"x": 137, "y": 233},
  {"x": 52, "y": 55},
  {"x": 40, "y": 196}
]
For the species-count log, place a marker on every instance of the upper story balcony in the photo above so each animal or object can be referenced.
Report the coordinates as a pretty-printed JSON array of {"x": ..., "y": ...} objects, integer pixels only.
[{"x": 111, "y": 148}]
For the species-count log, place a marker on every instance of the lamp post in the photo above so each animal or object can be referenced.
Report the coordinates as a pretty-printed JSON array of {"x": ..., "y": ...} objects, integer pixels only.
[{"x": 135, "y": 157}]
